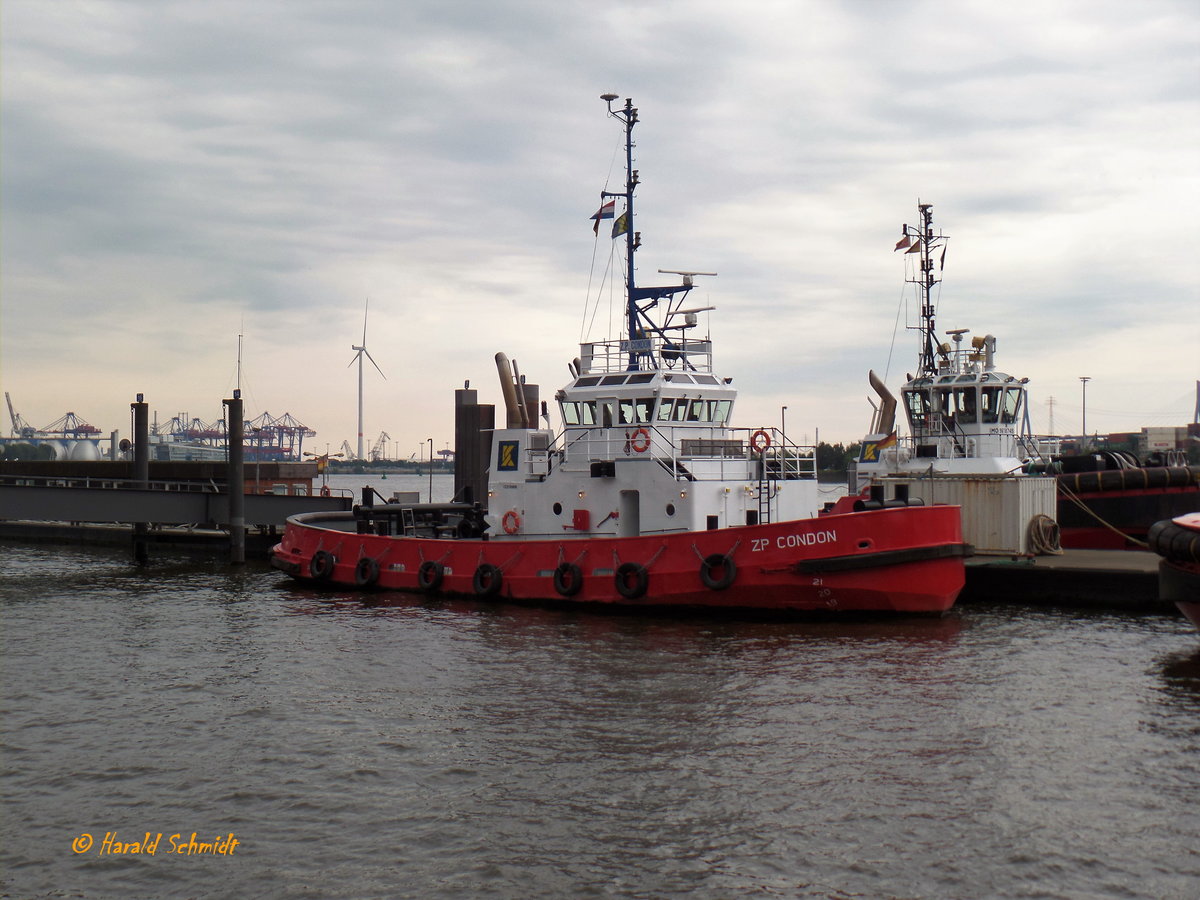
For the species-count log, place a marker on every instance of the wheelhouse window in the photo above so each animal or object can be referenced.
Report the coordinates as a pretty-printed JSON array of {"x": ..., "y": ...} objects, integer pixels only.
[
  {"x": 918, "y": 407},
  {"x": 965, "y": 405},
  {"x": 579, "y": 413},
  {"x": 990, "y": 399},
  {"x": 636, "y": 410},
  {"x": 704, "y": 410},
  {"x": 1012, "y": 404}
]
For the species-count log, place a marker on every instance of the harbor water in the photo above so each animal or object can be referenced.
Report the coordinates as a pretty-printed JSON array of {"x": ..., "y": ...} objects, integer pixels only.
[{"x": 266, "y": 740}]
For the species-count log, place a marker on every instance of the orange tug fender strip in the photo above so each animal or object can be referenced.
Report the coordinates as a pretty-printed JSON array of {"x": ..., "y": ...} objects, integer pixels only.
[{"x": 511, "y": 522}]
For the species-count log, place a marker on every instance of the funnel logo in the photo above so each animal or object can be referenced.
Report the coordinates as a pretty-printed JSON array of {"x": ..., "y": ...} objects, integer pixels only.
[
  {"x": 871, "y": 450},
  {"x": 507, "y": 459}
]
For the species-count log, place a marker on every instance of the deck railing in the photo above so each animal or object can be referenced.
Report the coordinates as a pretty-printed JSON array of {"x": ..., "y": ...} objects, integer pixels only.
[{"x": 693, "y": 454}]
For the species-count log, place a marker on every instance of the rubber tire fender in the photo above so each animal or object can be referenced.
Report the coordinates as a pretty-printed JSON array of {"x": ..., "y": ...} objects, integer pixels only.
[
  {"x": 568, "y": 579},
  {"x": 366, "y": 573},
  {"x": 713, "y": 562},
  {"x": 487, "y": 580},
  {"x": 429, "y": 575},
  {"x": 321, "y": 565},
  {"x": 641, "y": 580}
]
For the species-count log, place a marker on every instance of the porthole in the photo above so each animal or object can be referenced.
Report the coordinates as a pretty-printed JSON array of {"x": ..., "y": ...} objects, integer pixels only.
[
  {"x": 670, "y": 509},
  {"x": 557, "y": 509}
]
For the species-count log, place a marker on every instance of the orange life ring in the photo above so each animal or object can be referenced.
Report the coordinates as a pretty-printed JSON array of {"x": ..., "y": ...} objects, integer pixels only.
[
  {"x": 760, "y": 441},
  {"x": 640, "y": 442},
  {"x": 325, "y": 491},
  {"x": 511, "y": 522}
]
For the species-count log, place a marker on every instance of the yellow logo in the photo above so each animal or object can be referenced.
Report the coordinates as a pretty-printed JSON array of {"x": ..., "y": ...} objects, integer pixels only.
[
  {"x": 871, "y": 449},
  {"x": 508, "y": 456}
]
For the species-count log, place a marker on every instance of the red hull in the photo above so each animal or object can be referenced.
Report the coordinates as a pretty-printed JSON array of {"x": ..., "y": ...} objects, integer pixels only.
[
  {"x": 906, "y": 560},
  {"x": 1177, "y": 541},
  {"x": 1129, "y": 500}
]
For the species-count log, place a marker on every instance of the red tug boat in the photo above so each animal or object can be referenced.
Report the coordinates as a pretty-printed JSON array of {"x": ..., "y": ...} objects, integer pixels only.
[{"x": 647, "y": 497}]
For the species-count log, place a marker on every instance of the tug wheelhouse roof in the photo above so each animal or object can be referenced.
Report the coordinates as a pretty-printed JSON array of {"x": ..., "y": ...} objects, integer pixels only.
[{"x": 657, "y": 378}]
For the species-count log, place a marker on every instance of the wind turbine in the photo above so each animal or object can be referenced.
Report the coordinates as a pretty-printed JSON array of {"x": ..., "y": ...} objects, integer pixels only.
[{"x": 362, "y": 351}]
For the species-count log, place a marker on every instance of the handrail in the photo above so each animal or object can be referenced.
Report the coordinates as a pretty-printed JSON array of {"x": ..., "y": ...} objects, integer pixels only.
[
  {"x": 785, "y": 460},
  {"x": 93, "y": 482}
]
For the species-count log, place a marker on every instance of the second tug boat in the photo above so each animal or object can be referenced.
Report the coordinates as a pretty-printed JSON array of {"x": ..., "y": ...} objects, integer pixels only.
[{"x": 648, "y": 496}]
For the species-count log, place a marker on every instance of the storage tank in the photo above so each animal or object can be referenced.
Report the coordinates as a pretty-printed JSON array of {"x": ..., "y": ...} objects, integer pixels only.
[{"x": 86, "y": 451}]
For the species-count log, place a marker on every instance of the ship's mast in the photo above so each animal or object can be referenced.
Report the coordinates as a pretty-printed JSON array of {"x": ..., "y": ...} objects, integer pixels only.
[
  {"x": 643, "y": 330},
  {"x": 923, "y": 238},
  {"x": 629, "y": 116}
]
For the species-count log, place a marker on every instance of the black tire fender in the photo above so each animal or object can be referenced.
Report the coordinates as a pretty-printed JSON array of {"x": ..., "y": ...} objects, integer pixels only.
[
  {"x": 632, "y": 590},
  {"x": 429, "y": 575},
  {"x": 366, "y": 573},
  {"x": 321, "y": 565},
  {"x": 487, "y": 580},
  {"x": 718, "y": 562},
  {"x": 568, "y": 579}
]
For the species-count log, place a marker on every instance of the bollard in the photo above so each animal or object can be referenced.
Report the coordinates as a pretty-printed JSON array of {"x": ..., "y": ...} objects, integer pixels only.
[
  {"x": 141, "y": 471},
  {"x": 236, "y": 479}
]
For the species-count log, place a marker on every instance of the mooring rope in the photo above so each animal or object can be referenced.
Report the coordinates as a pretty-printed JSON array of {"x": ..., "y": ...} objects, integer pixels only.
[{"x": 1070, "y": 495}]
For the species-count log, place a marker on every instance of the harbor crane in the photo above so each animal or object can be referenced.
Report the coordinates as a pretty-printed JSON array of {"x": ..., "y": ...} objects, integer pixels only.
[
  {"x": 20, "y": 428},
  {"x": 379, "y": 451}
]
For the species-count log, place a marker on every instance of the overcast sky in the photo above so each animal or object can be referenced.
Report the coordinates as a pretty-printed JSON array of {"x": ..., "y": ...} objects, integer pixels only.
[{"x": 175, "y": 173}]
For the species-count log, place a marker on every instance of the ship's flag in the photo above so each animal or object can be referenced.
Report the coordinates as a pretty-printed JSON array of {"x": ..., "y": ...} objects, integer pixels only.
[
  {"x": 915, "y": 248},
  {"x": 620, "y": 225},
  {"x": 604, "y": 212},
  {"x": 902, "y": 243}
]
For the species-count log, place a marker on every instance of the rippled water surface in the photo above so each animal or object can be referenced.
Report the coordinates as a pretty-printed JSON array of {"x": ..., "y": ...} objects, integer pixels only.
[{"x": 396, "y": 748}]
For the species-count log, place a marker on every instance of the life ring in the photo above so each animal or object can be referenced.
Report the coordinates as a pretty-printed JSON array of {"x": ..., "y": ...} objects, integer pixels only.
[
  {"x": 568, "y": 579},
  {"x": 487, "y": 580},
  {"x": 760, "y": 441},
  {"x": 366, "y": 573},
  {"x": 631, "y": 590},
  {"x": 321, "y": 565},
  {"x": 325, "y": 491},
  {"x": 511, "y": 522},
  {"x": 640, "y": 441},
  {"x": 713, "y": 563},
  {"x": 429, "y": 575}
]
